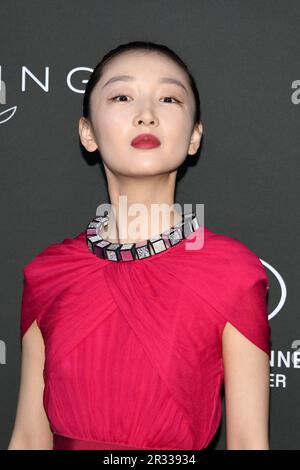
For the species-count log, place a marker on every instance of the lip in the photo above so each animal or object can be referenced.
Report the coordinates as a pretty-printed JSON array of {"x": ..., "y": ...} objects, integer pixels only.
[{"x": 145, "y": 141}]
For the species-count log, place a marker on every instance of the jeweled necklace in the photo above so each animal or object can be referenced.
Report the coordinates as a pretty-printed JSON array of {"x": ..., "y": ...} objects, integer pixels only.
[{"x": 142, "y": 249}]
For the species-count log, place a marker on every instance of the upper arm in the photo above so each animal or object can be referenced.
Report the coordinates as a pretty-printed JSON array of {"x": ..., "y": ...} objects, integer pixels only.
[
  {"x": 246, "y": 387},
  {"x": 31, "y": 428},
  {"x": 246, "y": 345}
]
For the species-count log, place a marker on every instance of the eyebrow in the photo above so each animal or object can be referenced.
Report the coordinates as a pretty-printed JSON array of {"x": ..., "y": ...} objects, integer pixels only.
[{"x": 129, "y": 78}]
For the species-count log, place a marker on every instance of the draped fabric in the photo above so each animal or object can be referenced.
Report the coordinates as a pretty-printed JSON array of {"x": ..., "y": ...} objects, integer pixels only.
[{"x": 133, "y": 350}]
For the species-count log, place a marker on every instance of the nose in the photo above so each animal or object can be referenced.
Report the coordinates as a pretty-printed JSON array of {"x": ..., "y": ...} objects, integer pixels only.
[
  {"x": 146, "y": 122},
  {"x": 147, "y": 118}
]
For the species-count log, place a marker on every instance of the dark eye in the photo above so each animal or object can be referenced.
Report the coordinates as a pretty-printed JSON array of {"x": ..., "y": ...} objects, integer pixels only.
[
  {"x": 172, "y": 98},
  {"x": 114, "y": 98},
  {"x": 125, "y": 96}
]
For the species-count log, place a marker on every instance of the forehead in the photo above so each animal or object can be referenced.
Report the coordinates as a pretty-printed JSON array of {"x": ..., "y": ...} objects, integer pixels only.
[{"x": 143, "y": 65}]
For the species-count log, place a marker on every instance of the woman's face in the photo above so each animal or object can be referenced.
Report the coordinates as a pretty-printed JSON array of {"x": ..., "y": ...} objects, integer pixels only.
[{"x": 123, "y": 109}]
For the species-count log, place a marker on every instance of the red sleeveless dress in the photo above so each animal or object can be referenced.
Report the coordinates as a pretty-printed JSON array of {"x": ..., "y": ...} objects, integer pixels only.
[{"x": 133, "y": 350}]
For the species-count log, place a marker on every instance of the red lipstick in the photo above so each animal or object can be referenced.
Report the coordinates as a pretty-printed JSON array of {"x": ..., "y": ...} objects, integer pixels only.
[{"x": 145, "y": 141}]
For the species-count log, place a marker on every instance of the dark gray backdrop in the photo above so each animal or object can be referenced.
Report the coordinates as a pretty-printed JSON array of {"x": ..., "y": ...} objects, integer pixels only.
[{"x": 245, "y": 56}]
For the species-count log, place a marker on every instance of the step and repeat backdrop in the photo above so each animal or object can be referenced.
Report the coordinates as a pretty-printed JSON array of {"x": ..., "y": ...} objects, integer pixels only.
[{"x": 245, "y": 57}]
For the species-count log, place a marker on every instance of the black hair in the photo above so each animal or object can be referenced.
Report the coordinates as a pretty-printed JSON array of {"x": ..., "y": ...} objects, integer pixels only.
[{"x": 138, "y": 45}]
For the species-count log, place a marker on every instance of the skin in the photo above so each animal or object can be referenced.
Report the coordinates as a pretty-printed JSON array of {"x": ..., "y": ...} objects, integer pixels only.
[
  {"x": 31, "y": 429},
  {"x": 246, "y": 387},
  {"x": 148, "y": 176},
  {"x": 144, "y": 176}
]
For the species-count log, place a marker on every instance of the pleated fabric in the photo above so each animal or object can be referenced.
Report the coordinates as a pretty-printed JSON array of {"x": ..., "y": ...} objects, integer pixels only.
[{"x": 133, "y": 350}]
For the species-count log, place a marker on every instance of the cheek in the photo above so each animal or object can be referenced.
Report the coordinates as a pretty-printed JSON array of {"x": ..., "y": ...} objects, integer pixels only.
[
  {"x": 114, "y": 128},
  {"x": 115, "y": 124},
  {"x": 178, "y": 134},
  {"x": 109, "y": 119},
  {"x": 108, "y": 130}
]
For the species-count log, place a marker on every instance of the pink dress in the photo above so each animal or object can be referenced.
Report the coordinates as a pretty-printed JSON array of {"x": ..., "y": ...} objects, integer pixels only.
[{"x": 133, "y": 350}]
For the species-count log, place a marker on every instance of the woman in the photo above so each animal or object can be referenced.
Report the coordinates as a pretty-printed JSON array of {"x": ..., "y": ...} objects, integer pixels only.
[{"x": 129, "y": 335}]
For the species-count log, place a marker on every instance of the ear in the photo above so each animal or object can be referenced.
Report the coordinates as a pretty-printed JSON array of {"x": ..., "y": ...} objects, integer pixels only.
[
  {"x": 86, "y": 135},
  {"x": 195, "y": 138}
]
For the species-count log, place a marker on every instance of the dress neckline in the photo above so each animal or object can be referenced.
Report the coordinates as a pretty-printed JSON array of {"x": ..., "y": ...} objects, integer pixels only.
[
  {"x": 201, "y": 231},
  {"x": 137, "y": 251}
]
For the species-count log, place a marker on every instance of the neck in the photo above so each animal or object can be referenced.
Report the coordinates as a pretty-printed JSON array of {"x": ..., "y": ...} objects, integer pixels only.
[{"x": 141, "y": 208}]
